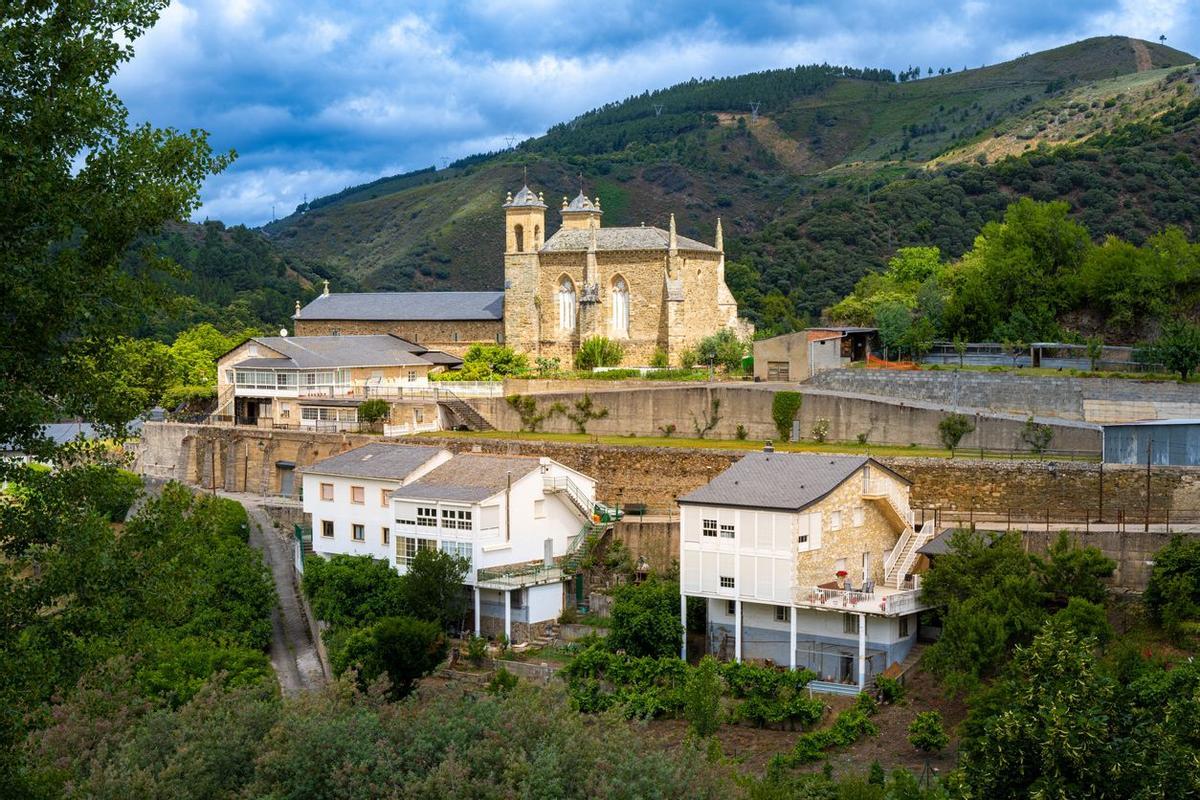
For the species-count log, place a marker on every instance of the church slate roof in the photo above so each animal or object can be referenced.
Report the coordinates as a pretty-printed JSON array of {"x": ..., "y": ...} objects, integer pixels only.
[
  {"x": 406, "y": 306},
  {"x": 642, "y": 238},
  {"x": 581, "y": 203},
  {"x": 525, "y": 197}
]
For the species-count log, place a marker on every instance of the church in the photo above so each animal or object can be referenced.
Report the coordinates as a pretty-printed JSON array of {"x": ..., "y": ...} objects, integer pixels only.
[{"x": 650, "y": 289}]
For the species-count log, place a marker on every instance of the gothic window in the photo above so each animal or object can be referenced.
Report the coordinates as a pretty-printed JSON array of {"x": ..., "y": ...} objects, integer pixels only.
[
  {"x": 566, "y": 304},
  {"x": 519, "y": 235},
  {"x": 620, "y": 307},
  {"x": 537, "y": 236}
]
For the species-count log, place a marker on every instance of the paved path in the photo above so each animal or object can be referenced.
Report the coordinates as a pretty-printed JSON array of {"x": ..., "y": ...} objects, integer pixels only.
[{"x": 293, "y": 653}]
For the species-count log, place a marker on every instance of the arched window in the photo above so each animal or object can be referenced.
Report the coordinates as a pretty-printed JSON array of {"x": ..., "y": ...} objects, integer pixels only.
[
  {"x": 537, "y": 237},
  {"x": 620, "y": 307},
  {"x": 519, "y": 235},
  {"x": 566, "y": 304}
]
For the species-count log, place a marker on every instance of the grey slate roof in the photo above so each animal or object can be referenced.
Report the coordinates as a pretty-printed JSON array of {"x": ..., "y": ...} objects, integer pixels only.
[
  {"x": 376, "y": 460},
  {"x": 651, "y": 238},
  {"x": 581, "y": 203},
  {"x": 785, "y": 481},
  {"x": 406, "y": 306},
  {"x": 469, "y": 478},
  {"x": 375, "y": 350},
  {"x": 525, "y": 197},
  {"x": 940, "y": 544}
]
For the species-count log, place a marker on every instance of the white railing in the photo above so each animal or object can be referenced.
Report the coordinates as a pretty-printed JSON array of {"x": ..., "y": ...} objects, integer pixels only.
[
  {"x": 889, "y": 562},
  {"x": 470, "y": 388},
  {"x": 894, "y": 495},
  {"x": 877, "y": 602},
  {"x": 564, "y": 484},
  {"x": 901, "y": 602},
  {"x": 407, "y": 428}
]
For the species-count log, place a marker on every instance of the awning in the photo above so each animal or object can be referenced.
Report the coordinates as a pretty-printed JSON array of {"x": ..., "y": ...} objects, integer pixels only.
[{"x": 286, "y": 464}]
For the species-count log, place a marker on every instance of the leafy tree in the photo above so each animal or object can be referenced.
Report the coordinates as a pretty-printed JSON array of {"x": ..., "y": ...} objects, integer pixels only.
[
  {"x": 374, "y": 411},
  {"x": 1069, "y": 571},
  {"x": 1095, "y": 350},
  {"x": 1173, "y": 590},
  {"x": 1177, "y": 348},
  {"x": 723, "y": 348},
  {"x": 489, "y": 362},
  {"x": 952, "y": 429},
  {"x": 432, "y": 588},
  {"x": 598, "y": 351},
  {"x": 893, "y": 319},
  {"x": 351, "y": 590},
  {"x": 645, "y": 619},
  {"x": 960, "y": 347},
  {"x": 404, "y": 648},
  {"x": 1036, "y": 435},
  {"x": 927, "y": 733},
  {"x": 195, "y": 352},
  {"x": 702, "y": 698}
]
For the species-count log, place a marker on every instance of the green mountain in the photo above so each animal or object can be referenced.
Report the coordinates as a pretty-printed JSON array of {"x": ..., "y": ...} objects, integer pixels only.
[{"x": 837, "y": 169}]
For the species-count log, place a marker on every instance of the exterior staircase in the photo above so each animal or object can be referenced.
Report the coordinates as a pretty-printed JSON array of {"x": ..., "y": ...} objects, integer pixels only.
[
  {"x": 465, "y": 414},
  {"x": 899, "y": 562}
]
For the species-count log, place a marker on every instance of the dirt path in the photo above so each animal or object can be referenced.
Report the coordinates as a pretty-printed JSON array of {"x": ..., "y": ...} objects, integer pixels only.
[
  {"x": 293, "y": 654},
  {"x": 1142, "y": 55}
]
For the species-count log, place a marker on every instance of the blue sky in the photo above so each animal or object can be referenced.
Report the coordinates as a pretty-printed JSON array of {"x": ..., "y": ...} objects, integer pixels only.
[{"x": 316, "y": 96}]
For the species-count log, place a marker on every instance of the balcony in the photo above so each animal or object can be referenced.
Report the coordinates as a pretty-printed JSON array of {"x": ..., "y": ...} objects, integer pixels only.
[{"x": 883, "y": 601}]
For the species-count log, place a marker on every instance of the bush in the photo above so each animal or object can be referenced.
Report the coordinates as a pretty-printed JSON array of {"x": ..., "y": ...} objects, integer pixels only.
[
  {"x": 403, "y": 648},
  {"x": 476, "y": 650},
  {"x": 1173, "y": 591},
  {"x": 688, "y": 359},
  {"x": 660, "y": 359},
  {"x": 927, "y": 733},
  {"x": 222, "y": 516},
  {"x": 645, "y": 619},
  {"x": 890, "y": 689},
  {"x": 784, "y": 407},
  {"x": 374, "y": 410},
  {"x": 820, "y": 430},
  {"x": 124, "y": 489},
  {"x": 952, "y": 429},
  {"x": 598, "y": 351},
  {"x": 850, "y": 726},
  {"x": 487, "y": 362},
  {"x": 502, "y": 682},
  {"x": 723, "y": 349},
  {"x": 702, "y": 697},
  {"x": 741, "y": 432},
  {"x": 351, "y": 590}
]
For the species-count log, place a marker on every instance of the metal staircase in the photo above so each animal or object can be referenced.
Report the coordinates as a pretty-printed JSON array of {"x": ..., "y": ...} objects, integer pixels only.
[
  {"x": 464, "y": 413},
  {"x": 591, "y": 510}
]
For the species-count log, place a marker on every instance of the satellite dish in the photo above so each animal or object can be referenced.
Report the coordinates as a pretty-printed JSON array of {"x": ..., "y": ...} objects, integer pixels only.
[{"x": 283, "y": 332}]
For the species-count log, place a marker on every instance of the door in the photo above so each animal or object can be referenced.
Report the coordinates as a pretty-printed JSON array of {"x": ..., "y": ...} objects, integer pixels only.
[
  {"x": 287, "y": 481},
  {"x": 777, "y": 371},
  {"x": 866, "y": 561}
]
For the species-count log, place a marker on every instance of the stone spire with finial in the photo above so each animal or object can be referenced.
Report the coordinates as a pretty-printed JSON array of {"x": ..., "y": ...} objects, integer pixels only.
[
  {"x": 326, "y": 292},
  {"x": 720, "y": 244},
  {"x": 674, "y": 243},
  {"x": 297, "y": 314}
]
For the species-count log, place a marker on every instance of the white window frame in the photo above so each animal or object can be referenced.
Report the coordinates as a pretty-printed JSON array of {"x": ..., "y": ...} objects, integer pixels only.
[
  {"x": 709, "y": 528},
  {"x": 835, "y": 520},
  {"x": 358, "y": 532},
  {"x": 727, "y": 582},
  {"x": 728, "y": 531},
  {"x": 783, "y": 614},
  {"x": 456, "y": 519},
  {"x": 427, "y": 517},
  {"x": 850, "y": 623}
]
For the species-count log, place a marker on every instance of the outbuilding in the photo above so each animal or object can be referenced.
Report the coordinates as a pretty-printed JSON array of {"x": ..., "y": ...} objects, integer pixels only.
[{"x": 1163, "y": 442}]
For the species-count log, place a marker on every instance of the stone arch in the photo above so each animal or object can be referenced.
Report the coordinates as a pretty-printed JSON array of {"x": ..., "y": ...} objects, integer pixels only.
[
  {"x": 567, "y": 297},
  {"x": 519, "y": 237},
  {"x": 537, "y": 237},
  {"x": 619, "y": 292}
]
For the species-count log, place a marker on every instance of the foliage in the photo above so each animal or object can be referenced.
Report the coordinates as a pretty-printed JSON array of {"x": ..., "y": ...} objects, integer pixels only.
[
  {"x": 1173, "y": 591},
  {"x": 688, "y": 359},
  {"x": 820, "y": 430},
  {"x": 476, "y": 650},
  {"x": 598, "y": 351},
  {"x": 784, "y": 408},
  {"x": 723, "y": 349},
  {"x": 583, "y": 411},
  {"x": 952, "y": 428},
  {"x": 351, "y": 590},
  {"x": 740, "y": 432},
  {"x": 927, "y": 733},
  {"x": 645, "y": 619},
  {"x": 1036, "y": 435},
  {"x": 402, "y": 648},
  {"x": 702, "y": 697},
  {"x": 1177, "y": 348},
  {"x": 432, "y": 588},
  {"x": 374, "y": 410},
  {"x": 1070, "y": 571},
  {"x": 891, "y": 690},
  {"x": 488, "y": 362},
  {"x": 850, "y": 725},
  {"x": 526, "y": 407},
  {"x": 660, "y": 359},
  {"x": 502, "y": 682},
  {"x": 711, "y": 417}
]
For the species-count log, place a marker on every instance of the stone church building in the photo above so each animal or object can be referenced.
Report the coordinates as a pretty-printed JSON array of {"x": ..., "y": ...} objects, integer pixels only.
[{"x": 649, "y": 289}]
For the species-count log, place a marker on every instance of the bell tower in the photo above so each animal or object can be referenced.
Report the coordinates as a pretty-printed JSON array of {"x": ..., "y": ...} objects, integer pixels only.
[{"x": 524, "y": 233}]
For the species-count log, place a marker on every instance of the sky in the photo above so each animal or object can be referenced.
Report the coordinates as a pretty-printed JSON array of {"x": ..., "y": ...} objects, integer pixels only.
[{"x": 316, "y": 96}]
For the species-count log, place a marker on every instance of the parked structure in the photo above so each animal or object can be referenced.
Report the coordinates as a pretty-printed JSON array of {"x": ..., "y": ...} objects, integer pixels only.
[
  {"x": 520, "y": 522},
  {"x": 805, "y": 560},
  {"x": 320, "y": 381},
  {"x": 798, "y": 356},
  {"x": 1162, "y": 442}
]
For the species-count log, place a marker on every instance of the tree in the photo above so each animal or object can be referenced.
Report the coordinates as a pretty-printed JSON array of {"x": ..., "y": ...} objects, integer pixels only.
[
  {"x": 432, "y": 588},
  {"x": 723, "y": 348},
  {"x": 490, "y": 362},
  {"x": 1177, "y": 348},
  {"x": 893, "y": 319},
  {"x": 598, "y": 351},
  {"x": 1095, "y": 350},
  {"x": 1036, "y": 435},
  {"x": 1069, "y": 571},
  {"x": 702, "y": 698},
  {"x": 952, "y": 429},
  {"x": 960, "y": 347},
  {"x": 79, "y": 187},
  {"x": 195, "y": 352},
  {"x": 1173, "y": 590},
  {"x": 404, "y": 648},
  {"x": 927, "y": 733},
  {"x": 351, "y": 590},
  {"x": 374, "y": 411},
  {"x": 645, "y": 619}
]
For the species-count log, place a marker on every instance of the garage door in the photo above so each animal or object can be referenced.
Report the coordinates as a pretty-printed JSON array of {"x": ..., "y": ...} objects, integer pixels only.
[{"x": 777, "y": 371}]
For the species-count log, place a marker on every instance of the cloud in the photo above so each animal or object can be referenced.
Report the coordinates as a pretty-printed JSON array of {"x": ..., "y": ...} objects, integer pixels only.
[{"x": 319, "y": 94}]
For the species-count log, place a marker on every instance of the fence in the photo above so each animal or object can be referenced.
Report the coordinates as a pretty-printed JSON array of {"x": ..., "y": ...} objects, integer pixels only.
[
  {"x": 1119, "y": 518},
  {"x": 1049, "y": 355}
]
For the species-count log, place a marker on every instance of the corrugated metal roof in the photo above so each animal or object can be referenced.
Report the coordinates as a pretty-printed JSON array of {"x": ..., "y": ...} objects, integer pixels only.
[
  {"x": 786, "y": 481},
  {"x": 579, "y": 239},
  {"x": 1175, "y": 421},
  {"x": 406, "y": 306},
  {"x": 374, "y": 350},
  {"x": 468, "y": 477},
  {"x": 376, "y": 460}
]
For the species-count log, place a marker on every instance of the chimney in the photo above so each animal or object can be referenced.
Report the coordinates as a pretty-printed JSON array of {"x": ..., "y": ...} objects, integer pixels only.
[
  {"x": 297, "y": 315},
  {"x": 326, "y": 292},
  {"x": 769, "y": 447}
]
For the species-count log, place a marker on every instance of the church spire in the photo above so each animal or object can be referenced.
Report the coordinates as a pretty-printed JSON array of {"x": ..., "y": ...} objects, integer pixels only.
[
  {"x": 674, "y": 244},
  {"x": 720, "y": 245}
]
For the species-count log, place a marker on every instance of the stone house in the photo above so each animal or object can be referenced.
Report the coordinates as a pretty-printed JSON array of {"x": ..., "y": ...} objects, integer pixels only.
[{"x": 805, "y": 560}]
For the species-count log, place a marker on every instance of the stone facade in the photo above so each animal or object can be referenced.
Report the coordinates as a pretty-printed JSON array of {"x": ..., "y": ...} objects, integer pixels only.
[{"x": 453, "y": 337}]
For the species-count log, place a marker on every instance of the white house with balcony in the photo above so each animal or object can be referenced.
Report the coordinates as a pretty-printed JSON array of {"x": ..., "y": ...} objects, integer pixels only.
[
  {"x": 348, "y": 497},
  {"x": 522, "y": 523},
  {"x": 319, "y": 382},
  {"x": 805, "y": 560}
]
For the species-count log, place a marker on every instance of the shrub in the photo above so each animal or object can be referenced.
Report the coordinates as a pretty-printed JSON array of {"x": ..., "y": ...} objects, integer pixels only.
[
  {"x": 702, "y": 697},
  {"x": 952, "y": 429},
  {"x": 741, "y": 432},
  {"x": 583, "y": 411},
  {"x": 1173, "y": 591},
  {"x": 351, "y": 590},
  {"x": 850, "y": 726},
  {"x": 927, "y": 733},
  {"x": 476, "y": 650},
  {"x": 488, "y": 362},
  {"x": 1036, "y": 435},
  {"x": 222, "y": 516},
  {"x": 784, "y": 407},
  {"x": 598, "y": 351},
  {"x": 502, "y": 682},
  {"x": 403, "y": 648},
  {"x": 820, "y": 430},
  {"x": 432, "y": 588},
  {"x": 374, "y": 410},
  {"x": 890, "y": 689},
  {"x": 723, "y": 348},
  {"x": 660, "y": 359},
  {"x": 645, "y": 619},
  {"x": 688, "y": 359}
]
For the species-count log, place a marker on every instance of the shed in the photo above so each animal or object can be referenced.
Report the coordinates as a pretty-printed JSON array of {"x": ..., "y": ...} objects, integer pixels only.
[{"x": 1165, "y": 442}]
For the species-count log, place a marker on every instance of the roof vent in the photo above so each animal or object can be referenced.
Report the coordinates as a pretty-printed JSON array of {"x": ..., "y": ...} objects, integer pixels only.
[{"x": 769, "y": 447}]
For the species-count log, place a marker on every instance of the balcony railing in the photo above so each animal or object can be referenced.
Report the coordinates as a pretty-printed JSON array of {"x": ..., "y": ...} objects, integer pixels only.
[{"x": 880, "y": 601}]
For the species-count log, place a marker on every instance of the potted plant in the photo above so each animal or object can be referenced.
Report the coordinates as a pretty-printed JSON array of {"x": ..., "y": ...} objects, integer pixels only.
[{"x": 841, "y": 578}]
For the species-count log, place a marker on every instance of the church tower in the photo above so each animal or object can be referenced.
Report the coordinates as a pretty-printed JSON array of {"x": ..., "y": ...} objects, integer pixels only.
[{"x": 525, "y": 230}]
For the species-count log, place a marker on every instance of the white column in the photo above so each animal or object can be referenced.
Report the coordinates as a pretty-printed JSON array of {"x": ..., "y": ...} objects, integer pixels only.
[
  {"x": 477, "y": 611},
  {"x": 508, "y": 615},
  {"x": 862, "y": 651},
  {"x": 792, "y": 638},
  {"x": 737, "y": 630},
  {"x": 683, "y": 622}
]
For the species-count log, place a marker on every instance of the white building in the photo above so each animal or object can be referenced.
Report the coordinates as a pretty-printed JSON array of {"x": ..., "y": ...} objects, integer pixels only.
[
  {"x": 521, "y": 522},
  {"x": 805, "y": 560}
]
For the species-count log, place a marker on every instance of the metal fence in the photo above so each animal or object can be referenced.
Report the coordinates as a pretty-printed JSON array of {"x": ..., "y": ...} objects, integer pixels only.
[
  {"x": 1049, "y": 355},
  {"x": 1119, "y": 518}
]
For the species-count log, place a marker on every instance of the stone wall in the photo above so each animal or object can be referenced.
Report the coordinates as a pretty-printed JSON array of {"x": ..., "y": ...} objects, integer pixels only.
[{"x": 453, "y": 336}]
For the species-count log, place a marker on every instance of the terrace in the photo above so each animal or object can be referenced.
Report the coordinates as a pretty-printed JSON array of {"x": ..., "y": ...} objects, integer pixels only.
[{"x": 882, "y": 601}]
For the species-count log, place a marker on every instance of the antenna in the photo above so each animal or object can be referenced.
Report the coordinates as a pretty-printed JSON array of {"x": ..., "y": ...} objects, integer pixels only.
[
  {"x": 658, "y": 107},
  {"x": 509, "y": 141},
  {"x": 754, "y": 104}
]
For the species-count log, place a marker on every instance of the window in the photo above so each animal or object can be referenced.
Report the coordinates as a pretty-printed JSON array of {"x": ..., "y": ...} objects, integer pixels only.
[
  {"x": 358, "y": 532},
  {"x": 731, "y": 607},
  {"x": 620, "y": 307},
  {"x": 327, "y": 528},
  {"x": 357, "y": 495},
  {"x": 407, "y": 548},
  {"x": 804, "y": 538},
  {"x": 519, "y": 237},
  {"x": 426, "y": 517},
  {"x": 835, "y": 520},
  {"x": 566, "y": 305},
  {"x": 326, "y": 491},
  {"x": 412, "y": 376},
  {"x": 783, "y": 614},
  {"x": 518, "y": 598},
  {"x": 285, "y": 413},
  {"x": 839, "y": 565},
  {"x": 385, "y": 535},
  {"x": 710, "y": 527},
  {"x": 726, "y": 531},
  {"x": 456, "y": 519},
  {"x": 849, "y": 623},
  {"x": 454, "y": 336},
  {"x": 385, "y": 497},
  {"x": 726, "y": 582},
  {"x": 460, "y": 549},
  {"x": 418, "y": 415},
  {"x": 539, "y": 509},
  {"x": 859, "y": 517},
  {"x": 904, "y": 627}
]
